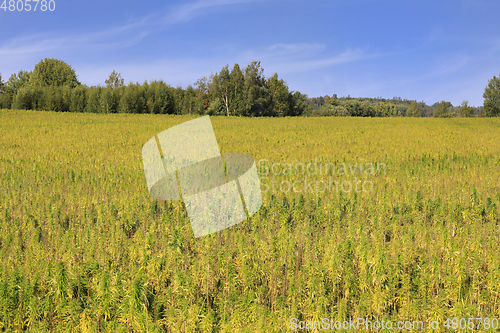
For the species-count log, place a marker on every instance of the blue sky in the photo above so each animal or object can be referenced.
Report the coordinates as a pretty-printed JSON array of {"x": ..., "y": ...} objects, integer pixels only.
[{"x": 423, "y": 50}]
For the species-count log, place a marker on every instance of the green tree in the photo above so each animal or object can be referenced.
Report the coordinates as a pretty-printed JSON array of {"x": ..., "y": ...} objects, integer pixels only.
[
  {"x": 115, "y": 80},
  {"x": 160, "y": 99},
  {"x": 78, "y": 99},
  {"x": 127, "y": 102},
  {"x": 204, "y": 89},
  {"x": 238, "y": 102},
  {"x": 383, "y": 109},
  {"x": 93, "y": 100},
  {"x": 4, "y": 98},
  {"x": 189, "y": 102},
  {"x": 256, "y": 94},
  {"x": 368, "y": 110},
  {"x": 178, "y": 99},
  {"x": 442, "y": 110},
  {"x": 278, "y": 91},
  {"x": 298, "y": 104},
  {"x": 465, "y": 110},
  {"x": 353, "y": 107},
  {"x": 491, "y": 97},
  {"x": 109, "y": 100},
  {"x": 23, "y": 99},
  {"x": 414, "y": 110},
  {"x": 5, "y": 101},
  {"x": 199, "y": 106},
  {"x": 50, "y": 99},
  {"x": 141, "y": 99},
  {"x": 17, "y": 81},
  {"x": 215, "y": 108},
  {"x": 223, "y": 87},
  {"x": 53, "y": 72},
  {"x": 330, "y": 109}
]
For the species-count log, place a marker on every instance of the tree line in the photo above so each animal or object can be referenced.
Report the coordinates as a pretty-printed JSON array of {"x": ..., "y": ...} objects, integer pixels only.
[
  {"x": 395, "y": 107},
  {"x": 53, "y": 86}
]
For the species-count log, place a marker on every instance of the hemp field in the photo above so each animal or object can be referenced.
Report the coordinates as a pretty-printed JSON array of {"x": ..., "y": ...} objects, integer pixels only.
[{"x": 84, "y": 248}]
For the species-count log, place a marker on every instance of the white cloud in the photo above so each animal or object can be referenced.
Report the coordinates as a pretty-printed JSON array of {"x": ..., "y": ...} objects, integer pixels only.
[
  {"x": 302, "y": 57},
  {"x": 119, "y": 36},
  {"x": 31, "y": 44},
  {"x": 447, "y": 66},
  {"x": 315, "y": 64},
  {"x": 297, "y": 47},
  {"x": 189, "y": 11}
]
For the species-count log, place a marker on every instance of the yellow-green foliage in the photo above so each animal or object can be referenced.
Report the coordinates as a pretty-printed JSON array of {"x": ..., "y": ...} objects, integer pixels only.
[{"x": 84, "y": 247}]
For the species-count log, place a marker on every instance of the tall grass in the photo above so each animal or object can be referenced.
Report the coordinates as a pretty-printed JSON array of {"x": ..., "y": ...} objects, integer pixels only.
[{"x": 84, "y": 247}]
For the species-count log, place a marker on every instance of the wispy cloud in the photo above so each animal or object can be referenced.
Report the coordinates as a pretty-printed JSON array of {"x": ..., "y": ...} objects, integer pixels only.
[
  {"x": 36, "y": 44},
  {"x": 184, "y": 71},
  {"x": 315, "y": 64},
  {"x": 189, "y": 11},
  {"x": 299, "y": 57},
  {"x": 112, "y": 38},
  {"x": 295, "y": 58},
  {"x": 447, "y": 66},
  {"x": 295, "y": 48},
  {"x": 119, "y": 36},
  {"x": 31, "y": 44}
]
